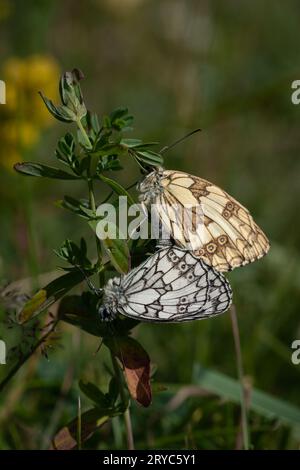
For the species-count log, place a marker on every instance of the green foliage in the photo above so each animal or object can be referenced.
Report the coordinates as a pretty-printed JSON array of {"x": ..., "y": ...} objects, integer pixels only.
[
  {"x": 99, "y": 147},
  {"x": 73, "y": 107},
  {"x": 44, "y": 171},
  {"x": 75, "y": 255},
  {"x": 262, "y": 403}
]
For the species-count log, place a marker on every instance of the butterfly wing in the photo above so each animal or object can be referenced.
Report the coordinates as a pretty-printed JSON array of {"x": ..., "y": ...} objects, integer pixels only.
[
  {"x": 174, "y": 286},
  {"x": 227, "y": 238}
]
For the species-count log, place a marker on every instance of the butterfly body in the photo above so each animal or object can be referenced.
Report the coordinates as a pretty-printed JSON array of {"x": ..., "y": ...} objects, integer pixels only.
[
  {"x": 170, "y": 286},
  {"x": 225, "y": 238}
]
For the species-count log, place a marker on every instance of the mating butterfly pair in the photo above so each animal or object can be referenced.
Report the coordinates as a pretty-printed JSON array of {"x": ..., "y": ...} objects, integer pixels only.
[{"x": 176, "y": 284}]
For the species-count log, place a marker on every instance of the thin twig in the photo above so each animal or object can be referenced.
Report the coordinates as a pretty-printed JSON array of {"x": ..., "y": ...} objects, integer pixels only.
[
  {"x": 79, "y": 424},
  {"x": 238, "y": 352},
  {"x": 247, "y": 391}
]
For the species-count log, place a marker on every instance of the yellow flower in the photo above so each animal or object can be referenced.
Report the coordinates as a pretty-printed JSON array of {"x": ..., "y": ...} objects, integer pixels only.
[
  {"x": 19, "y": 134},
  {"x": 24, "y": 115},
  {"x": 41, "y": 71},
  {"x": 16, "y": 137},
  {"x": 14, "y": 70},
  {"x": 24, "y": 79},
  {"x": 29, "y": 134}
]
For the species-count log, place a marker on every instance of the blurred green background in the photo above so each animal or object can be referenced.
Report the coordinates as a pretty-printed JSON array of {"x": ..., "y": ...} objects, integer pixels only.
[{"x": 226, "y": 67}]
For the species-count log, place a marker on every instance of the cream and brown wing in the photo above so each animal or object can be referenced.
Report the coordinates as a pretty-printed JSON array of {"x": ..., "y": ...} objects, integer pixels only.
[{"x": 229, "y": 237}]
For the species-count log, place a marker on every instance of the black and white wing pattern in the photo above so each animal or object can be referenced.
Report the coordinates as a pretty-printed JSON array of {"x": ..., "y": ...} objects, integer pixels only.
[{"x": 172, "y": 286}]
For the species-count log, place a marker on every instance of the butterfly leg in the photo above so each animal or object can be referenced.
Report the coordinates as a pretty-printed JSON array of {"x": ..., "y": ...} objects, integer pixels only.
[{"x": 93, "y": 288}]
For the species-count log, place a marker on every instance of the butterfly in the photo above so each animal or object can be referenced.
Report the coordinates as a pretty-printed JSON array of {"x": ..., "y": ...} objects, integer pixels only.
[
  {"x": 172, "y": 285},
  {"x": 227, "y": 238}
]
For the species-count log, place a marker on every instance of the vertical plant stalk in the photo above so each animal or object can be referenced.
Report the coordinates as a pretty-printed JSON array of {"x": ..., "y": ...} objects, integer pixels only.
[
  {"x": 127, "y": 417},
  {"x": 92, "y": 198},
  {"x": 239, "y": 361},
  {"x": 98, "y": 243},
  {"x": 79, "y": 425}
]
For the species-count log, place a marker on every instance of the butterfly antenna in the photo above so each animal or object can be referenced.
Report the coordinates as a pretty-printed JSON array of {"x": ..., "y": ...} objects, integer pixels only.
[
  {"x": 98, "y": 348},
  {"x": 168, "y": 147},
  {"x": 93, "y": 288}
]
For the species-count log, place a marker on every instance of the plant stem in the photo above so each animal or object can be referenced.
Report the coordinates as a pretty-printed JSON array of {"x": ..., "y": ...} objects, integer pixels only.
[
  {"x": 22, "y": 361},
  {"x": 127, "y": 417},
  {"x": 79, "y": 424},
  {"x": 238, "y": 352},
  {"x": 84, "y": 135},
  {"x": 98, "y": 243},
  {"x": 118, "y": 374},
  {"x": 92, "y": 199}
]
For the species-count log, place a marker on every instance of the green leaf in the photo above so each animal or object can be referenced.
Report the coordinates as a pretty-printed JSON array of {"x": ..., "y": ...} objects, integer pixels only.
[
  {"x": 261, "y": 402},
  {"x": 94, "y": 122},
  {"x": 94, "y": 394},
  {"x": 109, "y": 163},
  {"x": 118, "y": 252},
  {"x": 73, "y": 107},
  {"x": 45, "y": 171},
  {"x": 119, "y": 120},
  {"x": 112, "y": 148},
  {"x": 52, "y": 292},
  {"x": 69, "y": 86},
  {"x": 75, "y": 206},
  {"x": 56, "y": 111},
  {"x": 65, "y": 151},
  {"x": 137, "y": 144},
  {"x": 149, "y": 157},
  {"x": 33, "y": 305},
  {"x": 131, "y": 143},
  {"x": 71, "y": 95},
  {"x": 117, "y": 188},
  {"x": 74, "y": 254},
  {"x": 106, "y": 122},
  {"x": 82, "y": 140},
  {"x": 118, "y": 113}
]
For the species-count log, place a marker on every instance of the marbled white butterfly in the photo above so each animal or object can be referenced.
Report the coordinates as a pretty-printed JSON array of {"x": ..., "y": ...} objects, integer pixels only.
[
  {"x": 227, "y": 238},
  {"x": 172, "y": 285}
]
